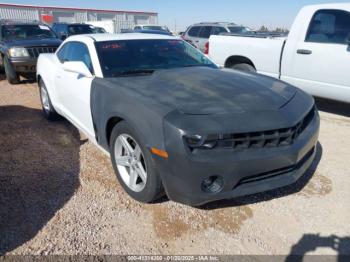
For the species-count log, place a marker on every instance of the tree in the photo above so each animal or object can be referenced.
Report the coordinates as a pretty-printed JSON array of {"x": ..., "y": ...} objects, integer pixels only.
[{"x": 263, "y": 29}]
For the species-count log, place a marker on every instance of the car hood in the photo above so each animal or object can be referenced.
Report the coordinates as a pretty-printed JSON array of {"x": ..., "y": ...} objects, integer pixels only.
[
  {"x": 34, "y": 42},
  {"x": 205, "y": 91}
]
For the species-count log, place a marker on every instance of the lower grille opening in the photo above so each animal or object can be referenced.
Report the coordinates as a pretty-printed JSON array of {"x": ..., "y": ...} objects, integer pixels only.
[{"x": 277, "y": 172}]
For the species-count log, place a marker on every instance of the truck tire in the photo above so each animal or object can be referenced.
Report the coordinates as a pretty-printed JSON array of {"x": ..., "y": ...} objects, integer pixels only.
[
  {"x": 243, "y": 67},
  {"x": 11, "y": 75},
  {"x": 2, "y": 63}
]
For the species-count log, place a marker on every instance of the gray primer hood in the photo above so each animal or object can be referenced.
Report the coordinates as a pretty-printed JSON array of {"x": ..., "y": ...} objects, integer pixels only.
[{"x": 204, "y": 91}]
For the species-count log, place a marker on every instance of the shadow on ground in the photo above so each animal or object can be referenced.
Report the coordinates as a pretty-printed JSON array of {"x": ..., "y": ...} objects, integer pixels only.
[
  {"x": 273, "y": 194},
  {"x": 28, "y": 79},
  {"x": 39, "y": 172},
  {"x": 334, "y": 107},
  {"x": 312, "y": 242}
]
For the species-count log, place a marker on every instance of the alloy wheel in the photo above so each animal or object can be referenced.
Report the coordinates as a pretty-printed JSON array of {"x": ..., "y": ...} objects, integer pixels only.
[
  {"x": 45, "y": 99},
  {"x": 130, "y": 162}
]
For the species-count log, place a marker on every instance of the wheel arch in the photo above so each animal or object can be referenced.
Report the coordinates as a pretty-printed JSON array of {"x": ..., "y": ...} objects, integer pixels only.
[
  {"x": 143, "y": 130},
  {"x": 111, "y": 123},
  {"x": 2, "y": 55},
  {"x": 236, "y": 59},
  {"x": 38, "y": 78}
]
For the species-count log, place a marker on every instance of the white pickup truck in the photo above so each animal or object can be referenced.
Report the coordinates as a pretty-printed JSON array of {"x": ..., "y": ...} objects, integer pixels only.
[{"x": 314, "y": 57}]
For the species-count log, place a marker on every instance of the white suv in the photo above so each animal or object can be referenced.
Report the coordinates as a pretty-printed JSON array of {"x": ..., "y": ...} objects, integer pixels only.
[
  {"x": 198, "y": 34},
  {"x": 152, "y": 27}
]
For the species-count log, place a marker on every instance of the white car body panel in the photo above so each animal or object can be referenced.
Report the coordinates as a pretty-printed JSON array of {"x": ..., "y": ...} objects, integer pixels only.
[
  {"x": 70, "y": 92},
  {"x": 222, "y": 47},
  {"x": 323, "y": 73}
]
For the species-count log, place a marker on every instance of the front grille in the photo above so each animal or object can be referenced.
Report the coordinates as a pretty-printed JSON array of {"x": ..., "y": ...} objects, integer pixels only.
[
  {"x": 36, "y": 51},
  {"x": 272, "y": 138}
]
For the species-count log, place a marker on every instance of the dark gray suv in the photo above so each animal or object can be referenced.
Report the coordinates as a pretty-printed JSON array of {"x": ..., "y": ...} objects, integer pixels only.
[{"x": 198, "y": 34}]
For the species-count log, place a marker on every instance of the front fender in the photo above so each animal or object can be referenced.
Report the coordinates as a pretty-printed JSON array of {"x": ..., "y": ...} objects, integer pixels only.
[
  {"x": 109, "y": 101},
  {"x": 46, "y": 70}
]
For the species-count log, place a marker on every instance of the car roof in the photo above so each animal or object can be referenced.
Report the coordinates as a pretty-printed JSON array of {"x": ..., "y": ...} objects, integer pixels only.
[
  {"x": 150, "y": 25},
  {"x": 20, "y": 22},
  {"x": 215, "y": 24},
  {"x": 156, "y": 32},
  {"x": 64, "y": 23},
  {"x": 114, "y": 37},
  {"x": 340, "y": 6}
]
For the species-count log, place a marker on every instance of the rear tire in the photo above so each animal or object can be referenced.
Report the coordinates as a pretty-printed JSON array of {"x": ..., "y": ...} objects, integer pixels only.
[
  {"x": 147, "y": 187},
  {"x": 11, "y": 75},
  {"x": 243, "y": 67},
  {"x": 48, "y": 109}
]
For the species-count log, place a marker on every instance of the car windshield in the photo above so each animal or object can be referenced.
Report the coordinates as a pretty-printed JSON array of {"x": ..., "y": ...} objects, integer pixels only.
[
  {"x": 27, "y": 31},
  {"x": 99, "y": 30},
  {"x": 119, "y": 57},
  {"x": 238, "y": 29},
  {"x": 154, "y": 27},
  {"x": 80, "y": 29}
]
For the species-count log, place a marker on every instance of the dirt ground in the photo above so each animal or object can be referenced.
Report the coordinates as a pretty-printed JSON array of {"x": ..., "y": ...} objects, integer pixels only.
[{"x": 59, "y": 195}]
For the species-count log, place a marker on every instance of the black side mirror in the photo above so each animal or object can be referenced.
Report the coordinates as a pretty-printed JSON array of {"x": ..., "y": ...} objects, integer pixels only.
[{"x": 63, "y": 36}]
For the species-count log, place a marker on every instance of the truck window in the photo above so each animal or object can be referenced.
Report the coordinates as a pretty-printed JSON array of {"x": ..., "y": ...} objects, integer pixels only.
[
  {"x": 329, "y": 26},
  {"x": 194, "y": 31},
  {"x": 217, "y": 30},
  {"x": 205, "y": 32}
]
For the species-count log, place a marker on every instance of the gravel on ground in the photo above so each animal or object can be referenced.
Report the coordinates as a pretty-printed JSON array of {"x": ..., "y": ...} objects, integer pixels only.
[{"x": 59, "y": 195}]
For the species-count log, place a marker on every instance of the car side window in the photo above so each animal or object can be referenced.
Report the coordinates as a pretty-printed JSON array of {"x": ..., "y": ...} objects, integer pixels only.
[
  {"x": 194, "y": 31},
  {"x": 217, "y": 30},
  {"x": 77, "y": 51},
  {"x": 205, "y": 32},
  {"x": 61, "y": 54},
  {"x": 137, "y": 27},
  {"x": 329, "y": 26}
]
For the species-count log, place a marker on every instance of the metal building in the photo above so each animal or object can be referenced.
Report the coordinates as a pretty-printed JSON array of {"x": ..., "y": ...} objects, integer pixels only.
[{"x": 52, "y": 14}]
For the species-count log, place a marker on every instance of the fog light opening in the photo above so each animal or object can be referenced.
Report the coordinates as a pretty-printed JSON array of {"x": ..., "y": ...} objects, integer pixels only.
[{"x": 213, "y": 184}]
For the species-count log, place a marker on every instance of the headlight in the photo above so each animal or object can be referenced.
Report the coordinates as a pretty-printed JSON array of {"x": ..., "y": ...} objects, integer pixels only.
[
  {"x": 201, "y": 142},
  {"x": 18, "y": 52}
]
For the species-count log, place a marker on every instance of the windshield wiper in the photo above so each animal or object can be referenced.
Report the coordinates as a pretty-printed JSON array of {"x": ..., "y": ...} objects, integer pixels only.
[
  {"x": 135, "y": 72},
  {"x": 42, "y": 36},
  {"x": 193, "y": 65}
]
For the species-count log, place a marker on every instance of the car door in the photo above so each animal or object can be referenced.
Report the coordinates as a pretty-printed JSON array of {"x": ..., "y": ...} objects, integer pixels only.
[
  {"x": 192, "y": 35},
  {"x": 74, "y": 89},
  {"x": 320, "y": 63},
  {"x": 203, "y": 38}
]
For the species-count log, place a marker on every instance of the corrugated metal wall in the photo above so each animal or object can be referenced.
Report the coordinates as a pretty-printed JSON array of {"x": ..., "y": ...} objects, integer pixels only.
[
  {"x": 123, "y": 20},
  {"x": 19, "y": 13},
  {"x": 63, "y": 17},
  {"x": 80, "y": 17}
]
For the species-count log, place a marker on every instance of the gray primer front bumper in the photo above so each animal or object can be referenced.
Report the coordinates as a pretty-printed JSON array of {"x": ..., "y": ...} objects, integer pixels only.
[{"x": 183, "y": 173}]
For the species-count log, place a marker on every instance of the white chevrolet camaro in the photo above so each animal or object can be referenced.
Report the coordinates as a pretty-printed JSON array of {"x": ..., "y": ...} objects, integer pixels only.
[{"x": 175, "y": 123}]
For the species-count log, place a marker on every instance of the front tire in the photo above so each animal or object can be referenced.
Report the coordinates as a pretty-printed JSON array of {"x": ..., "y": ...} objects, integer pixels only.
[
  {"x": 48, "y": 109},
  {"x": 133, "y": 165},
  {"x": 11, "y": 75},
  {"x": 243, "y": 67}
]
